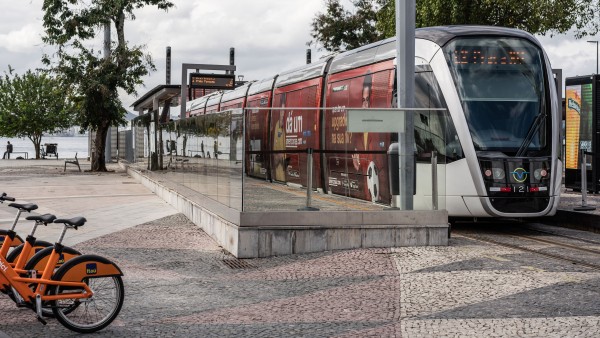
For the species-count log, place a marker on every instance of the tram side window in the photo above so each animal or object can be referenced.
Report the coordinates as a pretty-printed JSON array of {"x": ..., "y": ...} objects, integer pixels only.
[{"x": 434, "y": 130}]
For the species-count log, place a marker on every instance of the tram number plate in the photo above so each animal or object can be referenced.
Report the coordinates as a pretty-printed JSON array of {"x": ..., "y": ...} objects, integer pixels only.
[{"x": 520, "y": 188}]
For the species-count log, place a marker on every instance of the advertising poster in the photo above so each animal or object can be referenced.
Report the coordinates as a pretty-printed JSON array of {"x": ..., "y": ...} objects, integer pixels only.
[
  {"x": 295, "y": 129},
  {"x": 358, "y": 174},
  {"x": 578, "y": 124},
  {"x": 573, "y": 101}
]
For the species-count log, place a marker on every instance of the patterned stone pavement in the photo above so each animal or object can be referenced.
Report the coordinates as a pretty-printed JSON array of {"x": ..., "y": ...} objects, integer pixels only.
[{"x": 179, "y": 283}]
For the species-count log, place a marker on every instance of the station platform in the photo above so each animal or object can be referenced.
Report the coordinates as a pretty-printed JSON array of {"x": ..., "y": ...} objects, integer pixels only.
[
  {"x": 568, "y": 216},
  {"x": 273, "y": 225}
]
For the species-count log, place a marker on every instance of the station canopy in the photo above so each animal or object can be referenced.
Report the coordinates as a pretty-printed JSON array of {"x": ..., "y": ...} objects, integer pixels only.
[{"x": 156, "y": 97}]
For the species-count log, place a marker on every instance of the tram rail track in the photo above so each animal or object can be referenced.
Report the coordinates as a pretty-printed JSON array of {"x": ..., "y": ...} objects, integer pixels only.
[
  {"x": 566, "y": 236},
  {"x": 482, "y": 238},
  {"x": 564, "y": 245}
]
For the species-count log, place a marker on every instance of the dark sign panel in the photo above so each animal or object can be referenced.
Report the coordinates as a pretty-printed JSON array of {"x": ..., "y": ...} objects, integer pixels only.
[
  {"x": 581, "y": 131},
  {"x": 212, "y": 81}
]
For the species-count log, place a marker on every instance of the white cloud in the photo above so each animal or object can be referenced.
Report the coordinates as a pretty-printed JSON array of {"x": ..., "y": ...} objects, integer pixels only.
[
  {"x": 269, "y": 37},
  {"x": 575, "y": 57},
  {"x": 24, "y": 40}
]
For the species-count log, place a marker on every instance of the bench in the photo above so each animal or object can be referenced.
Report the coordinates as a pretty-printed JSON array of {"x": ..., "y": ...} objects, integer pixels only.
[
  {"x": 75, "y": 162},
  {"x": 182, "y": 161},
  {"x": 25, "y": 154},
  {"x": 199, "y": 153}
]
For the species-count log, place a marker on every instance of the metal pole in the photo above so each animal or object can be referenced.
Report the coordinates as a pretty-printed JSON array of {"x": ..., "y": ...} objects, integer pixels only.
[
  {"x": 405, "y": 73},
  {"x": 108, "y": 147},
  {"x": 584, "y": 206},
  {"x": 434, "y": 185},
  {"x": 231, "y": 58},
  {"x": 309, "y": 170},
  {"x": 308, "y": 56},
  {"x": 596, "y": 42},
  {"x": 168, "y": 70}
]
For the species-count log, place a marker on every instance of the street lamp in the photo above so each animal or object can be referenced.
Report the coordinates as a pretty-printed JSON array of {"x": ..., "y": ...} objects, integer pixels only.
[{"x": 596, "y": 42}]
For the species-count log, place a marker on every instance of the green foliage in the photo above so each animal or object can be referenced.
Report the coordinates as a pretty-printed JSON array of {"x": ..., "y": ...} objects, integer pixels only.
[
  {"x": 96, "y": 79},
  {"x": 339, "y": 29},
  {"x": 33, "y": 104},
  {"x": 334, "y": 28},
  {"x": 534, "y": 16}
]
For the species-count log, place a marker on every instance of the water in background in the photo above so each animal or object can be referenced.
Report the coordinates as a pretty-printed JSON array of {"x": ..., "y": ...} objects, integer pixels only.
[{"x": 67, "y": 146}]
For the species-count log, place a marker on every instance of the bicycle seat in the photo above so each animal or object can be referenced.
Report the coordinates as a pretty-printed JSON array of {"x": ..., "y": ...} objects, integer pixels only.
[
  {"x": 75, "y": 221},
  {"x": 46, "y": 218},
  {"x": 27, "y": 207}
]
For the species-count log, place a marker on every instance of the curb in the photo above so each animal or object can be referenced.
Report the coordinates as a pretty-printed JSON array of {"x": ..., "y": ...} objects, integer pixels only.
[{"x": 575, "y": 220}]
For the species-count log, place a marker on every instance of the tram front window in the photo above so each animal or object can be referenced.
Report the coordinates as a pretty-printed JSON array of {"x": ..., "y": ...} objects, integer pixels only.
[{"x": 500, "y": 82}]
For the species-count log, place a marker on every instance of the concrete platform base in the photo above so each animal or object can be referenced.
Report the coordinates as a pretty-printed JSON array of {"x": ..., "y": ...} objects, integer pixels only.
[{"x": 264, "y": 234}]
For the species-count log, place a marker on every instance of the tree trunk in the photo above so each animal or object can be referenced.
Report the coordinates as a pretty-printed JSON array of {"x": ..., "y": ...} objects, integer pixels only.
[
  {"x": 98, "y": 161},
  {"x": 36, "y": 140}
]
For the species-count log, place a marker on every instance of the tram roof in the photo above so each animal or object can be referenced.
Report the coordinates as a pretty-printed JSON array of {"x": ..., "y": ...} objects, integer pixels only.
[
  {"x": 386, "y": 49},
  {"x": 214, "y": 98},
  {"x": 237, "y": 92},
  {"x": 302, "y": 73},
  {"x": 441, "y": 35},
  {"x": 261, "y": 86}
]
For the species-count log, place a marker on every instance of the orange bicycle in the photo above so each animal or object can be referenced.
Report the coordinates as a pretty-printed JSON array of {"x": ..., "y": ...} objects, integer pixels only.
[
  {"x": 85, "y": 294},
  {"x": 31, "y": 255},
  {"x": 24, "y": 252}
]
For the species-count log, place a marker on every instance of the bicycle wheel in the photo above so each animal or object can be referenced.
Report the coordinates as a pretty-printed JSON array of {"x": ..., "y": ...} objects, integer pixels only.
[{"x": 92, "y": 314}]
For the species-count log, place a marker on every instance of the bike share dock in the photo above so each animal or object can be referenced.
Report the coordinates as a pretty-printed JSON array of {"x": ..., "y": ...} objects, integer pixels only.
[{"x": 274, "y": 226}]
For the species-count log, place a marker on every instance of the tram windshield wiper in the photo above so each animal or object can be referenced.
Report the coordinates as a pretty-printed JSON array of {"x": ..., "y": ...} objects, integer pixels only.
[{"x": 535, "y": 126}]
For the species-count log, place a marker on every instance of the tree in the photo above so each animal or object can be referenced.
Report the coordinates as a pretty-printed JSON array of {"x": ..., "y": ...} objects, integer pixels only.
[
  {"x": 338, "y": 29},
  {"x": 535, "y": 16},
  {"x": 96, "y": 79},
  {"x": 33, "y": 104}
]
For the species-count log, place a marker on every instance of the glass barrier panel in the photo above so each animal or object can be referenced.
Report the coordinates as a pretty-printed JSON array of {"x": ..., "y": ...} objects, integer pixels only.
[
  {"x": 350, "y": 170},
  {"x": 261, "y": 159}
]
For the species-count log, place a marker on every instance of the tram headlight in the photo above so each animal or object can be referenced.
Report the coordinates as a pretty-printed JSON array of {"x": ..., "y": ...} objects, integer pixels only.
[
  {"x": 540, "y": 174},
  {"x": 498, "y": 173}
]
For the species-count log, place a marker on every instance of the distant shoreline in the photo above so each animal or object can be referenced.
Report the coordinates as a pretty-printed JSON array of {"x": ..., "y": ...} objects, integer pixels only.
[{"x": 67, "y": 146}]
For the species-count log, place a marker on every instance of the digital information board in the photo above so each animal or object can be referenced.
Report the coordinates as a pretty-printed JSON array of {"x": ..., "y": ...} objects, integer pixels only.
[{"x": 212, "y": 81}]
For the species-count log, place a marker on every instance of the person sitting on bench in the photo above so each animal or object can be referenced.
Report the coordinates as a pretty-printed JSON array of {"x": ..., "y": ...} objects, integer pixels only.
[{"x": 9, "y": 150}]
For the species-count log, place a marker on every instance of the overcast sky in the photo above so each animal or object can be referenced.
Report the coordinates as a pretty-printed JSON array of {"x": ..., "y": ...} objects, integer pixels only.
[{"x": 269, "y": 36}]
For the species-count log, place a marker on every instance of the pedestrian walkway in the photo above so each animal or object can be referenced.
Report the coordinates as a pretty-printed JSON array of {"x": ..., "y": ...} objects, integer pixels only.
[
  {"x": 180, "y": 283},
  {"x": 110, "y": 201}
]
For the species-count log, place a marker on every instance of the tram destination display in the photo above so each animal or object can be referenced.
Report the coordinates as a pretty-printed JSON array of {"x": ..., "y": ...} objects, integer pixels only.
[
  {"x": 212, "y": 81},
  {"x": 490, "y": 56}
]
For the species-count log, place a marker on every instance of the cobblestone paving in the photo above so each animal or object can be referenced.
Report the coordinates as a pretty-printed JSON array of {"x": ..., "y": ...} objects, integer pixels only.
[
  {"x": 476, "y": 289},
  {"x": 178, "y": 285}
]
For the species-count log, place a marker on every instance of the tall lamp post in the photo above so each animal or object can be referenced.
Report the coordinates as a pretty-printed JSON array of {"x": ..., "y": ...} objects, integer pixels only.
[{"x": 596, "y": 42}]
